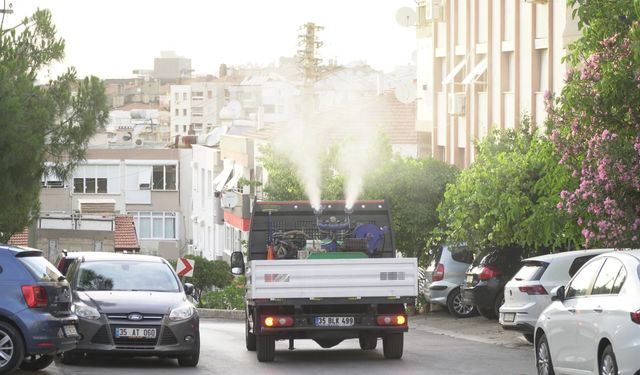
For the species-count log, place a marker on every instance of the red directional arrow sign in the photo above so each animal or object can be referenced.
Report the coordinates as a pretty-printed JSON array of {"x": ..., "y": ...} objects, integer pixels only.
[{"x": 185, "y": 267}]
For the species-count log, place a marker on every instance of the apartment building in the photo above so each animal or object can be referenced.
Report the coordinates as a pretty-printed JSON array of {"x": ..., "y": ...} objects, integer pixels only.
[
  {"x": 195, "y": 107},
  {"x": 482, "y": 65},
  {"x": 144, "y": 184}
]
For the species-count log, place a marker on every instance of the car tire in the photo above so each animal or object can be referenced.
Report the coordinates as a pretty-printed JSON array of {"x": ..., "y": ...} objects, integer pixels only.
[
  {"x": 368, "y": 340},
  {"x": 543, "y": 357},
  {"x": 36, "y": 362},
  {"x": 487, "y": 312},
  {"x": 528, "y": 337},
  {"x": 265, "y": 348},
  {"x": 393, "y": 345},
  {"x": 12, "y": 346},
  {"x": 608, "y": 364},
  {"x": 456, "y": 307},
  {"x": 193, "y": 358},
  {"x": 497, "y": 303},
  {"x": 71, "y": 358},
  {"x": 250, "y": 338}
]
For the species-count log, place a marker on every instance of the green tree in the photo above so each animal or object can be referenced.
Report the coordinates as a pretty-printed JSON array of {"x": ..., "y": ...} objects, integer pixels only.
[
  {"x": 39, "y": 123},
  {"x": 415, "y": 188},
  {"x": 595, "y": 123},
  {"x": 508, "y": 196},
  {"x": 208, "y": 274}
]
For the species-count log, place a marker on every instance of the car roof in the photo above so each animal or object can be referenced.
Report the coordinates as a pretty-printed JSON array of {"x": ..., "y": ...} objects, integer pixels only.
[
  {"x": 567, "y": 254},
  {"x": 90, "y": 256},
  {"x": 18, "y": 249}
]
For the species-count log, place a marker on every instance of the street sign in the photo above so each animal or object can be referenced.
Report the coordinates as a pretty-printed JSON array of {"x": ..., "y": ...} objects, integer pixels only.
[{"x": 184, "y": 267}]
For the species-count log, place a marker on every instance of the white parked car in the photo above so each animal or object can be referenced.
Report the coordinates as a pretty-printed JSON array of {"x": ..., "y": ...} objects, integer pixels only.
[
  {"x": 593, "y": 325},
  {"x": 527, "y": 293}
]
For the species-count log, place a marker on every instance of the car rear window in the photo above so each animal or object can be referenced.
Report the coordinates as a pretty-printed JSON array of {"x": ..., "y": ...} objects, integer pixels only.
[
  {"x": 126, "y": 275},
  {"x": 531, "y": 271},
  {"x": 579, "y": 262},
  {"x": 40, "y": 268},
  {"x": 462, "y": 254}
]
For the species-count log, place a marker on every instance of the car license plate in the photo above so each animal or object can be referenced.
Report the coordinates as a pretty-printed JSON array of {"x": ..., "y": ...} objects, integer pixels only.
[
  {"x": 509, "y": 317},
  {"x": 469, "y": 279},
  {"x": 70, "y": 331},
  {"x": 136, "y": 333},
  {"x": 334, "y": 321}
]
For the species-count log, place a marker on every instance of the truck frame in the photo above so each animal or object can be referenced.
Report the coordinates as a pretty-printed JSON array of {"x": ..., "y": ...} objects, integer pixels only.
[{"x": 326, "y": 274}]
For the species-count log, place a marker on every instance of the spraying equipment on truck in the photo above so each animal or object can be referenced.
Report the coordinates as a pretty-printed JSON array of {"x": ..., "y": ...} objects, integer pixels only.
[{"x": 328, "y": 274}]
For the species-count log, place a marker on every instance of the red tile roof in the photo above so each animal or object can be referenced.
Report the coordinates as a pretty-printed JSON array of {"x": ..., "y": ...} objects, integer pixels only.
[
  {"x": 125, "y": 237},
  {"x": 20, "y": 239}
]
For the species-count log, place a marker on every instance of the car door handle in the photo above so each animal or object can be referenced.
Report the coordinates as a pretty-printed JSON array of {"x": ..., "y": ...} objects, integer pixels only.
[
  {"x": 573, "y": 311},
  {"x": 598, "y": 309}
]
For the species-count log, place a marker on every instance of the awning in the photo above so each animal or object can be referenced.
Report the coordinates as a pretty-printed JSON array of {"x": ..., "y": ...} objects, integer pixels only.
[
  {"x": 450, "y": 77},
  {"x": 476, "y": 72},
  {"x": 221, "y": 180},
  {"x": 233, "y": 181}
]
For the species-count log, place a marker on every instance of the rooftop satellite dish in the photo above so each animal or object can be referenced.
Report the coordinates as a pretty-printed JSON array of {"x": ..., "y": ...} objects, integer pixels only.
[
  {"x": 213, "y": 138},
  {"x": 231, "y": 111},
  {"x": 406, "y": 17},
  {"x": 405, "y": 93}
]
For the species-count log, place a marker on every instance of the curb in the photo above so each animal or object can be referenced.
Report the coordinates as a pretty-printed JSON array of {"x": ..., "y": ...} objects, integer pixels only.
[{"x": 221, "y": 314}]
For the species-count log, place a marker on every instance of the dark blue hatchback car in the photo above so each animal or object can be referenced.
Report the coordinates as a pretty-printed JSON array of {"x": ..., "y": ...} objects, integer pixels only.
[{"x": 36, "y": 321}]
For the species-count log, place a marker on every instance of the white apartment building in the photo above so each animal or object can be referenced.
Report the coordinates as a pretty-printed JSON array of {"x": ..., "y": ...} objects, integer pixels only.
[
  {"x": 482, "y": 64},
  {"x": 194, "y": 106}
]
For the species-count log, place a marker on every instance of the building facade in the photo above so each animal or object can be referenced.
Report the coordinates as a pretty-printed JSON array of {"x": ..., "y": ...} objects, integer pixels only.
[{"x": 482, "y": 65}]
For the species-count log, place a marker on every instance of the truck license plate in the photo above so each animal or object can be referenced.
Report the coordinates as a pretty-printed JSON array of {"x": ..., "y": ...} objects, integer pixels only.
[
  {"x": 334, "y": 321},
  {"x": 136, "y": 333}
]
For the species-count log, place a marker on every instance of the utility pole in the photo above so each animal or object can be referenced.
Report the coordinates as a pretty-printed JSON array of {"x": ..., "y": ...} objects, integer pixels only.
[{"x": 308, "y": 63}]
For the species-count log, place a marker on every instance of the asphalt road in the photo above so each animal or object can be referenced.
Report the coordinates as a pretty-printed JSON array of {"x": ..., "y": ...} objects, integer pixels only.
[{"x": 223, "y": 352}]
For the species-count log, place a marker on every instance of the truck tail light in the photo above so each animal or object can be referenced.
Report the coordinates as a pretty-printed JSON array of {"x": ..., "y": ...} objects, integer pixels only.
[
  {"x": 275, "y": 321},
  {"x": 438, "y": 274},
  {"x": 34, "y": 296},
  {"x": 533, "y": 290},
  {"x": 391, "y": 320},
  {"x": 635, "y": 317},
  {"x": 488, "y": 272}
]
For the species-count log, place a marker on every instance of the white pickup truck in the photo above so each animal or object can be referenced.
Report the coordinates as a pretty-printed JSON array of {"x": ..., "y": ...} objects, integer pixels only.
[{"x": 326, "y": 275}]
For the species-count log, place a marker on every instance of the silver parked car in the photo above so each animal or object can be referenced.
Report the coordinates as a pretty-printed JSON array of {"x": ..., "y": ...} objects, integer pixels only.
[
  {"x": 132, "y": 305},
  {"x": 443, "y": 278},
  {"x": 527, "y": 293}
]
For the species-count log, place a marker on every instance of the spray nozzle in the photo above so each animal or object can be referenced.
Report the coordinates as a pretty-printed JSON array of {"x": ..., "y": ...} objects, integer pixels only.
[
  {"x": 348, "y": 210},
  {"x": 317, "y": 210}
]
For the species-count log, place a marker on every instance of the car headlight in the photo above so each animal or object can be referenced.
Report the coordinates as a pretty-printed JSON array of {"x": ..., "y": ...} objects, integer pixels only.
[
  {"x": 181, "y": 313},
  {"x": 84, "y": 311}
]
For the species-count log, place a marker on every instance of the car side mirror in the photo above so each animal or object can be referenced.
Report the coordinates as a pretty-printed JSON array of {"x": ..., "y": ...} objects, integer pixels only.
[
  {"x": 557, "y": 293},
  {"x": 188, "y": 289},
  {"x": 237, "y": 263}
]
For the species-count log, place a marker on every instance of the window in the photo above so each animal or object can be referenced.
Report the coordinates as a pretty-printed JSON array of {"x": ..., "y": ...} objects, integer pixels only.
[
  {"x": 90, "y": 185},
  {"x": 184, "y": 112},
  {"x": 531, "y": 270},
  {"x": 607, "y": 277},
  {"x": 462, "y": 254},
  {"x": 269, "y": 108},
  {"x": 577, "y": 263},
  {"x": 209, "y": 94},
  {"x": 581, "y": 283},
  {"x": 620, "y": 279},
  {"x": 177, "y": 112},
  {"x": 164, "y": 177},
  {"x": 155, "y": 225},
  {"x": 177, "y": 97},
  {"x": 51, "y": 180},
  {"x": 184, "y": 96}
]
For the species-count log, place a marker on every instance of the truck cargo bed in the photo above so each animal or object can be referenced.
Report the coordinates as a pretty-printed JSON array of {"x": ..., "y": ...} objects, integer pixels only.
[{"x": 332, "y": 278}]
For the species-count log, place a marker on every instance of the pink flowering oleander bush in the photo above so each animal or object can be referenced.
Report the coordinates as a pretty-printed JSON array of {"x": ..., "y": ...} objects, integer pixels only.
[{"x": 595, "y": 127}]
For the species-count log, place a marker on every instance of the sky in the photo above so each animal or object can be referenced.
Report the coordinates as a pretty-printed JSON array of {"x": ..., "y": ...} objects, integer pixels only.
[{"x": 112, "y": 38}]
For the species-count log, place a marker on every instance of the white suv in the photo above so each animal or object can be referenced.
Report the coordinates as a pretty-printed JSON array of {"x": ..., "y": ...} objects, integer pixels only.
[{"x": 527, "y": 293}]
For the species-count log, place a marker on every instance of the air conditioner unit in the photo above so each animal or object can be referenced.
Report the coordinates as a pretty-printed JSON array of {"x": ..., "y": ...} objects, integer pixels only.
[{"x": 456, "y": 103}]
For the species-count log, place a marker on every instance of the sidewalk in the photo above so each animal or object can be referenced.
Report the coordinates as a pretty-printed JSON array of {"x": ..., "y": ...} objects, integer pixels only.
[{"x": 475, "y": 328}]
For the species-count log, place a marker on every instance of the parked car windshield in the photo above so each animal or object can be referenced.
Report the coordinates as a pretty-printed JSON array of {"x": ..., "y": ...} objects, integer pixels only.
[
  {"x": 41, "y": 268},
  {"x": 126, "y": 276}
]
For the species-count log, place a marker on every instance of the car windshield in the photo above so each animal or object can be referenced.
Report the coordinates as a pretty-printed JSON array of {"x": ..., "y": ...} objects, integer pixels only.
[
  {"x": 41, "y": 268},
  {"x": 126, "y": 276}
]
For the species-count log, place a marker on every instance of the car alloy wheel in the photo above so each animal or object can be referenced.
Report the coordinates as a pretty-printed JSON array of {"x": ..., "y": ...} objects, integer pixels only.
[
  {"x": 456, "y": 307},
  {"x": 608, "y": 365},
  {"x": 543, "y": 358},
  {"x": 6, "y": 348}
]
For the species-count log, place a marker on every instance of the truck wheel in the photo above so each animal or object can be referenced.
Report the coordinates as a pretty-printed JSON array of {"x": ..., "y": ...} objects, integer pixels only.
[
  {"x": 250, "y": 338},
  {"x": 266, "y": 348},
  {"x": 392, "y": 345},
  {"x": 368, "y": 341},
  {"x": 11, "y": 348}
]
